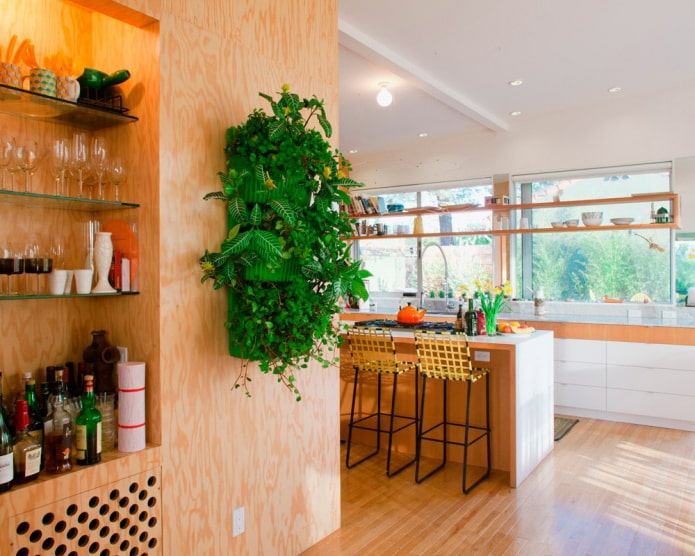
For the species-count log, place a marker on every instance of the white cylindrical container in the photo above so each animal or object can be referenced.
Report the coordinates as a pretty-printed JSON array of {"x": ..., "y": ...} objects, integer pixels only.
[
  {"x": 131, "y": 406},
  {"x": 539, "y": 302},
  {"x": 103, "y": 253}
]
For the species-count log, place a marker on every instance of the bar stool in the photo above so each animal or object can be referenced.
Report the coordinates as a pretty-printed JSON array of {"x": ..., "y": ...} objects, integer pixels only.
[
  {"x": 373, "y": 350},
  {"x": 446, "y": 356}
]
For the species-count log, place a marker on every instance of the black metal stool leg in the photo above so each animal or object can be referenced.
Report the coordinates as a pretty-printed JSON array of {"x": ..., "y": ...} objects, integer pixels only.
[{"x": 353, "y": 424}]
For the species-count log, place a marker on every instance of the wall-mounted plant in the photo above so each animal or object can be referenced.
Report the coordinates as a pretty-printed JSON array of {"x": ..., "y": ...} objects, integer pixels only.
[{"x": 285, "y": 261}]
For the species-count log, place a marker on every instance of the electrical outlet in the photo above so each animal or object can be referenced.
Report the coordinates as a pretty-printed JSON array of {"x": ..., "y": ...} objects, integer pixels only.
[
  {"x": 238, "y": 521},
  {"x": 481, "y": 356}
]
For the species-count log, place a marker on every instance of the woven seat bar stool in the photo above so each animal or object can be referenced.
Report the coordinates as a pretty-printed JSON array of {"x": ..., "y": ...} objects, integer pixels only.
[
  {"x": 446, "y": 356},
  {"x": 373, "y": 350}
]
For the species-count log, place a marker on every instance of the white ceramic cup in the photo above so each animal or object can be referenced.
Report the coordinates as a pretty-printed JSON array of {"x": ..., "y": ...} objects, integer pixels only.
[
  {"x": 68, "y": 282},
  {"x": 83, "y": 280},
  {"x": 56, "y": 281}
]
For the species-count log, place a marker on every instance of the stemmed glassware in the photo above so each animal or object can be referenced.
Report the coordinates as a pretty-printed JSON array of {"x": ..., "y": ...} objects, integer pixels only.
[
  {"x": 99, "y": 163},
  {"x": 6, "y": 156},
  {"x": 60, "y": 162},
  {"x": 11, "y": 262},
  {"x": 79, "y": 159},
  {"x": 28, "y": 156},
  {"x": 32, "y": 263},
  {"x": 117, "y": 176}
]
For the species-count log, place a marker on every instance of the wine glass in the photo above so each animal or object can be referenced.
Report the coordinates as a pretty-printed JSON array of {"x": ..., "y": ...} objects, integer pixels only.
[
  {"x": 99, "y": 161},
  {"x": 15, "y": 266},
  {"x": 6, "y": 156},
  {"x": 28, "y": 156},
  {"x": 117, "y": 176},
  {"x": 60, "y": 161},
  {"x": 6, "y": 265},
  {"x": 32, "y": 262},
  {"x": 79, "y": 159}
]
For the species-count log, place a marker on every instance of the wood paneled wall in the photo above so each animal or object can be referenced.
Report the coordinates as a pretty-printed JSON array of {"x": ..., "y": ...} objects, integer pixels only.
[{"x": 196, "y": 71}]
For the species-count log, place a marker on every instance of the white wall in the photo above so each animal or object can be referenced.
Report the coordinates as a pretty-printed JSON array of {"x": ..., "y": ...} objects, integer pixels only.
[{"x": 623, "y": 130}]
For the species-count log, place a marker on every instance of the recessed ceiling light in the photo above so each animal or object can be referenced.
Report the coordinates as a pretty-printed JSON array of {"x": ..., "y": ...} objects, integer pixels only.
[
  {"x": 615, "y": 89},
  {"x": 515, "y": 113},
  {"x": 516, "y": 82},
  {"x": 352, "y": 151},
  {"x": 423, "y": 134}
]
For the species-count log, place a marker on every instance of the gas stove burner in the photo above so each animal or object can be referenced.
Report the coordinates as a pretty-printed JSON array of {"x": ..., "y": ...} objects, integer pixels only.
[{"x": 389, "y": 323}]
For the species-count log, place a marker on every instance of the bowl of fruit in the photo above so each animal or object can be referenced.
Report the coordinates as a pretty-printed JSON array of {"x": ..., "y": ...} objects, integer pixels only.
[{"x": 514, "y": 327}]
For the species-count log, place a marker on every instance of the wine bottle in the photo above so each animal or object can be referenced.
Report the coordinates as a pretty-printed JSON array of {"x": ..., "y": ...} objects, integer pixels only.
[
  {"x": 6, "y": 451},
  {"x": 27, "y": 452},
  {"x": 471, "y": 318},
  {"x": 58, "y": 432},
  {"x": 35, "y": 429},
  {"x": 482, "y": 331},
  {"x": 458, "y": 323},
  {"x": 3, "y": 408},
  {"x": 88, "y": 427}
]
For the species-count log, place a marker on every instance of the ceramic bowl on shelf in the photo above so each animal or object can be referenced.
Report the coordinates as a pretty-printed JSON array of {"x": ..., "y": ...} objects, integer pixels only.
[
  {"x": 573, "y": 223},
  {"x": 622, "y": 221},
  {"x": 557, "y": 224},
  {"x": 592, "y": 218}
]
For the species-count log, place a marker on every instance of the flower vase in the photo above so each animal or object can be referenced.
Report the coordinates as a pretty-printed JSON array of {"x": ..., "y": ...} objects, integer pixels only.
[
  {"x": 103, "y": 253},
  {"x": 491, "y": 324}
]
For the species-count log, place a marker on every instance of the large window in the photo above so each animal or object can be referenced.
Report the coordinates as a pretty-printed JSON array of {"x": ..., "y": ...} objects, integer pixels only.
[
  {"x": 435, "y": 266},
  {"x": 617, "y": 264}
]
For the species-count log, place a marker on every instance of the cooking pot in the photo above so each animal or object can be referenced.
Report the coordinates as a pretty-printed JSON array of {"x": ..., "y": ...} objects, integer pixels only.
[
  {"x": 98, "y": 80},
  {"x": 410, "y": 315}
]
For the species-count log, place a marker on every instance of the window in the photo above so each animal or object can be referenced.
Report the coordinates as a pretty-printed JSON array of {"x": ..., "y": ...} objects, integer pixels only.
[
  {"x": 434, "y": 266},
  {"x": 630, "y": 265}
]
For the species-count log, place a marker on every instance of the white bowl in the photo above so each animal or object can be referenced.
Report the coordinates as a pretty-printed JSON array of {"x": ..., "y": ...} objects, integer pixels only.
[
  {"x": 572, "y": 223},
  {"x": 592, "y": 218},
  {"x": 557, "y": 224},
  {"x": 622, "y": 221}
]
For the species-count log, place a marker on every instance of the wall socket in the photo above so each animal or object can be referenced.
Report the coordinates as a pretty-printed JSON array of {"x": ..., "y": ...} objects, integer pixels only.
[
  {"x": 481, "y": 356},
  {"x": 238, "y": 521}
]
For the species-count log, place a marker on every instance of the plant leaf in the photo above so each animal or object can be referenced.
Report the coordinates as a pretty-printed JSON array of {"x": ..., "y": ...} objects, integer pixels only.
[
  {"x": 284, "y": 210},
  {"x": 215, "y": 195},
  {"x": 238, "y": 213},
  {"x": 267, "y": 245},
  {"x": 256, "y": 216},
  {"x": 325, "y": 124},
  {"x": 238, "y": 244}
]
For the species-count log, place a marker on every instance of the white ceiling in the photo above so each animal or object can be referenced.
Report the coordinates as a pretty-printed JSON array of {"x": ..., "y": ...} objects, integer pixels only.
[{"x": 450, "y": 61}]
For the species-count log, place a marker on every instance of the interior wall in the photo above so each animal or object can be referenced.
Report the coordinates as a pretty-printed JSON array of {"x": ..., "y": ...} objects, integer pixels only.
[{"x": 275, "y": 457}]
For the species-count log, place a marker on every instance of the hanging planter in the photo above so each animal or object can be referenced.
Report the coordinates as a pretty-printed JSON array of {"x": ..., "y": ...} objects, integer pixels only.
[{"x": 285, "y": 261}]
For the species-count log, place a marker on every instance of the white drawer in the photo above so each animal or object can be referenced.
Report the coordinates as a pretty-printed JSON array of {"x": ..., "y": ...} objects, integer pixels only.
[
  {"x": 658, "y": 356},
  {"x": 586, "y": 374},
  {"x": 584, "y": 397},
  {"x": 651, "y": 404},
  {"x": 589, "y": 351},
  {"x": 666, "y": 381}
]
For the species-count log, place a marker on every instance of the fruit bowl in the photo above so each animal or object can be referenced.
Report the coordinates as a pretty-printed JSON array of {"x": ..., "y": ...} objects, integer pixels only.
[{"x": 592, "y": 218}]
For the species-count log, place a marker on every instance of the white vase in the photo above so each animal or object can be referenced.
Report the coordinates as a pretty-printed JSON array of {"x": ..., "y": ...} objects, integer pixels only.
[{"x": 103, "y": 253}]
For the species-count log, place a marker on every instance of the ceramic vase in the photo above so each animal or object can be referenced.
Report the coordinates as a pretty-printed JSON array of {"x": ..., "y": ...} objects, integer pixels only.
[{"x": 103, "y": 253}]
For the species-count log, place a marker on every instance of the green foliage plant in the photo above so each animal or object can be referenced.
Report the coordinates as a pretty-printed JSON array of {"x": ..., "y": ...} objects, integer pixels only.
[{"x": 286, "y": 260}]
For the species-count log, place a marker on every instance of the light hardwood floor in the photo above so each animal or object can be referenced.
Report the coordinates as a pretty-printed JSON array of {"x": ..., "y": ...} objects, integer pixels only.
[{"x": 606, "y": 489}]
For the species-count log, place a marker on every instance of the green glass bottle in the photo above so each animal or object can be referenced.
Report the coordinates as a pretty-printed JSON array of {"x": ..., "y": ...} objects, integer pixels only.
[
  {"x": 88, "y": 427},
  {"x": 35, "y": 418}
]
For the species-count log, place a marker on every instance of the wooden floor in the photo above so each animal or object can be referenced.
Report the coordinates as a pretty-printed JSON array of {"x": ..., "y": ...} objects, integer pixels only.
[{"x": 607, "y": 489}]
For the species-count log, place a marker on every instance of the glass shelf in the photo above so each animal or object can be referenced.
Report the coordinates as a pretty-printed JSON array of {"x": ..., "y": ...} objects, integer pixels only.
[
  {"x": 71, "y": 295},
  {"x": 27, "y": 104},
  {"x": 39, "y": 200}
]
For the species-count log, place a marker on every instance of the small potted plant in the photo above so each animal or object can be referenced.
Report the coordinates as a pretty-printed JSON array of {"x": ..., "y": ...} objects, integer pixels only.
[{"x": 285, "y": 262}]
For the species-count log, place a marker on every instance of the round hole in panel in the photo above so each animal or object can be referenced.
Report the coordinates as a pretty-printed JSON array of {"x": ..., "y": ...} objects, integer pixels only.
[
  {"x": 93, "y": 501},
  {"x": 124, "y": 545},
  {"x": 48, "y": 518},
  {"x": 104, "y": 509},
  {"x": 134, "y": 509},
  {"x": 24, "y": 551},
  {"x": 114, "y": 494},
  {"x": 152, "y": 522},
  {"x": 134, "y": 551},
  {"x": 48, "y": 543},
  {"x": 104, "y": 531},
  {"x": 123, "y": 502},
  {"x": 115, "y": 538},
  {"x": 115, "y": 516},
  {"x": 83, "y": 517},
  {"x": 105, "y": 552},
  {"x": 133, "y": 530},
  {"x": 61, "y": 549},
  {"x": 73, "y": 553},
  {"x": 72, "y": 533},
  {"x": 60, "y": 526},
  {"x": 125, "y": 522},
  {"x": 152, "y": 502},
  {"x": 83, "y": 540},
  {"x": 94, "y": 548},
  {"x": 35, "y": 536},
  {"x": 143, "y": 536},
  {"x": 94, "y": 525},
  {"x": 142, "y": 495},
  {"x": 152, "y": 543},
  {"x": 72, "y": 509},
  {"x": 152, "y": 481},
  {"x": 143, "y": 516},
  {"x": 134, "y": 488},
  {"x": 22, "y": 528}
]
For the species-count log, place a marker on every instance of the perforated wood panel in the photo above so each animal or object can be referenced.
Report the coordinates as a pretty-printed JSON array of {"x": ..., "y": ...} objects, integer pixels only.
[{"x": 119, "y": 518}]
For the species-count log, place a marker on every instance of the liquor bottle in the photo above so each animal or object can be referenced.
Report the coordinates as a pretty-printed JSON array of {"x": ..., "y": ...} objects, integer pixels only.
[
  {"x": 458, "y": 323},
  {"x": 58, "y": 432},
  {"x": 35, "y": 429},
  {"x": 6, "y": 451},
  {"x": 471, "y": 319},
  {"x": 3, "y": 408},
  {"x": 27, "y": 452},
  {"x": 88, "y": 427}
]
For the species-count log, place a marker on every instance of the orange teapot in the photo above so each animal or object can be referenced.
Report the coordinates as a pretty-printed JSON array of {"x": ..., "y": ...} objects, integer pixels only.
[{"x": 410, "y": 315}]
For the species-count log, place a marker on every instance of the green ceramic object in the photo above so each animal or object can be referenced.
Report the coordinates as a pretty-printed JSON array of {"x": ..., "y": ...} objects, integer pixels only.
[{"x": 99, "y": 80}]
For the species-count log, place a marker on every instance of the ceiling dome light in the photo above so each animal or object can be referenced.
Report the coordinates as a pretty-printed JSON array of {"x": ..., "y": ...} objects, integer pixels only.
[
  {"x": 422, "y": 134},
  {"x": 515, "y": 113},
  {"x": 615, "y": 89},
  {"x": 516, "y": 82},
  {"x": 384, "y": 97}
]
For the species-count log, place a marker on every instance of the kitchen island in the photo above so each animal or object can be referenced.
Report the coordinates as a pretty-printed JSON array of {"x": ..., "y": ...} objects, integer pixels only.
[{"x": 521, "y": 397}]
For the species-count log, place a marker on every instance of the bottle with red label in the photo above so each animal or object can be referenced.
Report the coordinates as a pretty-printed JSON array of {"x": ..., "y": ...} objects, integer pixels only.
[{"x": 482, "y": 331}]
